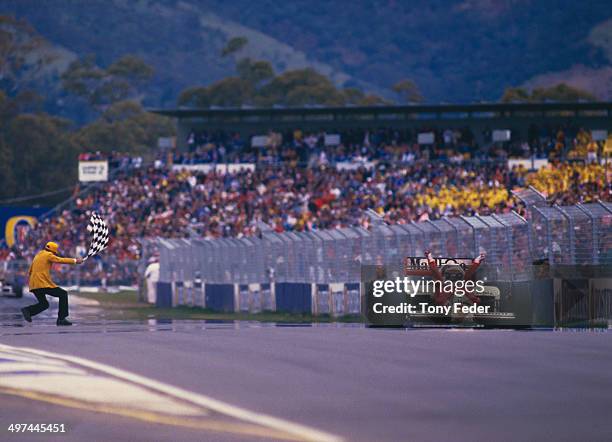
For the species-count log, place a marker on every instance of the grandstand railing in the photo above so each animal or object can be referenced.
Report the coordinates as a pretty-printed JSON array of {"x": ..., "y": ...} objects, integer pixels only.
[{"x": 573, "y": 235}]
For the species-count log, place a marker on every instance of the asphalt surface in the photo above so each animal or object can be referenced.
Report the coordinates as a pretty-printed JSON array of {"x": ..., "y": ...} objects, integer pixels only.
[{"x": 358, "y": 383}]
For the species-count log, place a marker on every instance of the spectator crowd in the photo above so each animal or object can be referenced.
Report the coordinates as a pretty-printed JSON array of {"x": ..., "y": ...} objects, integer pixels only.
[
  {"x": 297, "y": 186},
  {"x": 452, "y": 145}
]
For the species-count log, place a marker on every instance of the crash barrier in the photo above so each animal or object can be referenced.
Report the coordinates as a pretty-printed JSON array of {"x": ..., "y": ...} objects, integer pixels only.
[
  {"x": 302, "y": 298},
  {"x": 312, "y": 272},
  {"x": 548, "y": 300}
]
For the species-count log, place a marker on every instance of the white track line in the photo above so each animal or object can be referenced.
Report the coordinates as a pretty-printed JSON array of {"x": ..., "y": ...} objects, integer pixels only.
[{"x": 298, "y": 430}]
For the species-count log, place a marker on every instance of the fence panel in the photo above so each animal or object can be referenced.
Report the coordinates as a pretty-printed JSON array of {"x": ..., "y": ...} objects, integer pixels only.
[
  {"x": 353, "y": 237},
  {"x": 432, "y": 238},
  {"x": 500, "y": 243},
  {"x": 601, "y": 213},
  {"x": 552, "y": 234},
  {"x": 295, "y": 262},
  {"x": 327, "y": 257},
  {"x": 274, "y": 260},
  {"x": 403, "y": 240},
  {"x": 314, "y": 255},
  {"x": 449, "y": 237},
  {"x": 581, "y": 234},
  {"x": 385, "y": 249},
  {"x": 519, "y": 239},
  {"x": 483, "y": 242},
  {"x": 465, "y": 236}
]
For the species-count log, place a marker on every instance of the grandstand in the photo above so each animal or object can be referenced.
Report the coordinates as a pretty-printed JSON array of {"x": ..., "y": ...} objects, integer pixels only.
[{"x": 221, "y": 185}]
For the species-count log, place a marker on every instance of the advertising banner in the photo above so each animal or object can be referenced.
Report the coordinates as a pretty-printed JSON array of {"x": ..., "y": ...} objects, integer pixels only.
[
  {"x": 218, "y": 168},
  {"x": 16, "y": 222}
]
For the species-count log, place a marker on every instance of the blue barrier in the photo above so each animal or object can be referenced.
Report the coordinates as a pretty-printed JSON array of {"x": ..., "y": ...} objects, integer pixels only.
[
  {"x": 293, "y": 297},
  {"x": 220, "y": 297},
  {"x": 164, "y": 294}
]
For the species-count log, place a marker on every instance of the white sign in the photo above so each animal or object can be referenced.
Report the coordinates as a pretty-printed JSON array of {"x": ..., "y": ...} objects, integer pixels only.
[
  {"x": 501, "y": 135},
  {"x": 166, "y": 142},
  {"x": 332, "y": 139},
  {"x": 426, "y": 138},
  {"x": 194, "y": 167},
  {"x": 218, "y": 168},
  {"x": 527, "y": 163},
  {"x": 90, "y": 171},
  {"x": 599, "y": 135},
  {"x": 349, "y": 165},
  {"x": 240, "y": 167},
  {"x": 259, "y": 141}
]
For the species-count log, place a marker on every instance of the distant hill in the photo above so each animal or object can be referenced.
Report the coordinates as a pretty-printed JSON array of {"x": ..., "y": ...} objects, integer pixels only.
[{"x": 456, "y": 51}]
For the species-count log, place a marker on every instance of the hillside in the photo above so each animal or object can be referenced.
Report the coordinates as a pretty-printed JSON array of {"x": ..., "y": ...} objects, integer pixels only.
[{"x": 456, "y": 51}]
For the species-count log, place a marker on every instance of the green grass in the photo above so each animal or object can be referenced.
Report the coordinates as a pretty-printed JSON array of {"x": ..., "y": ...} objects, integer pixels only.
[{"x": 125, "y": 305}]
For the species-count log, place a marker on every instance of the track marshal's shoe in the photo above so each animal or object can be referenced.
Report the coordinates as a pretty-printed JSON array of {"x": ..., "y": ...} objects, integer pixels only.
[
  {"x": 63, "y": 322},
  {"x": 26, "y": 314}
]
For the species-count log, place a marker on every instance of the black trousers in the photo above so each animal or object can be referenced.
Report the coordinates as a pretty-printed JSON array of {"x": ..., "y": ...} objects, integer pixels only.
[{"x": 43, "y": 304}]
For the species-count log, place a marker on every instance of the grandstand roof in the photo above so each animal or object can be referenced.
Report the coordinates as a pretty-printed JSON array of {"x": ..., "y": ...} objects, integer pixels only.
[
  {"x": 478, "y": 110},
  {"x": 517, "y": 117}
]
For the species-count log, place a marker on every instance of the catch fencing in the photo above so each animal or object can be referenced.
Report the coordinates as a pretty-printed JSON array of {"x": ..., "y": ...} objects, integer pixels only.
[{"x": 573, "y": 235}]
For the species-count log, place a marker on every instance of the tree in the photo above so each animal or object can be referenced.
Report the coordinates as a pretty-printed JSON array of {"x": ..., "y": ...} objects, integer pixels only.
[
  {"x": 8, "y": 186},
  {"x": 352, "y": 95},
  {"x": 257, "y": 85},
  {"x": 323, "y": 94},
  {"x": 299, "y": 87},
  {"x": 558, "y": 92},
  {"x": 131, "y": 68},
  {"x": 408, "y": 91},
  {"x": 194, "y": 97},
  {"x": 372, "y": 100},
  {"x": 234, "y": 45},
  {"x": 83, "y": 77},
  {"x": 515, "y": 95},
  {"x": 561, "y": 92},
  {"x": 230, "y": 92},
  {"x": 122, "y": 80},
  {"x": 124, "y": 126},
  {"x": 255, "y": 72},
  {"x": 19, "y": 59},
  {"x": 42, "y": 153}
]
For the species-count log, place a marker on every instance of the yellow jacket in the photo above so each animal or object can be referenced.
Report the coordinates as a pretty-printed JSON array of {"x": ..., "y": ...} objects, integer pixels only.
[{"x": 41, "y": 265}]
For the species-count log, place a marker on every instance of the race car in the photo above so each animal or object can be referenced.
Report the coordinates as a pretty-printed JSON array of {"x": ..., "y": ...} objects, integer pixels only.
[
  {"x": 455, "y": 269},
  {"x": 9, "y": 289},
  {"x": 13, "y": 278}
]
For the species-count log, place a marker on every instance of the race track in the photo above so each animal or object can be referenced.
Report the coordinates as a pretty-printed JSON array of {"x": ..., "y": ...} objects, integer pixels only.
[{"x": 345, "y": 382}]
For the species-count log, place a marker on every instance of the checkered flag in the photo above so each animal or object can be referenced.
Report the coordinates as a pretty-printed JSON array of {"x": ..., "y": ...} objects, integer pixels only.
[{"x": 99, "y": 231}]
